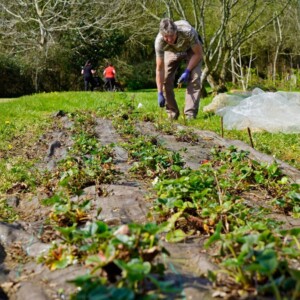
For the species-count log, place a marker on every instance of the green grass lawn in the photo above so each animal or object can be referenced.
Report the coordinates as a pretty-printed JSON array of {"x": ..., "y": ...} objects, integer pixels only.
[{"x": 30, "y": 114}]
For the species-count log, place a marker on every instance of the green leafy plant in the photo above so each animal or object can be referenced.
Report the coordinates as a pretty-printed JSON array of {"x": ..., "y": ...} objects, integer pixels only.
[
  {"x": 87, "y": 162},
  {"x": 253, "y": 257},
  {"x": 122, "y": 260},
  {"x": 152, "y": 160},
  {"x": 187, "y": 135},
  {"x": 7, "y": 213},
  {"x": 165, "y": 127},
  {"x": 66, "y": 212}
]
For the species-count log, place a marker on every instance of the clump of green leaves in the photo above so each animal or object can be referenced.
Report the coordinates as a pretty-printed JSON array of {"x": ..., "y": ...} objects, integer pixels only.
[
  {"x": 125, "y": 127},
  {"x": 67, "y": 212},
  {"x": 77, "y": 172},
  {"x": 186, "y": 135},
  {"x": 150, "y": 160},
  {"x": 87, "y": 163},
  {"x": 255, "y": 258},
  {"x": 165, "y": 127},
  {"x": 121, "y": 260},
  {"x": 7, "y": 213}
]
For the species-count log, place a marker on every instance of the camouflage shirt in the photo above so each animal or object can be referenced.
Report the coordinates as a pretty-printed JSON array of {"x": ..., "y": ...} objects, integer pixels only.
[{"x": 187, "y": 37}]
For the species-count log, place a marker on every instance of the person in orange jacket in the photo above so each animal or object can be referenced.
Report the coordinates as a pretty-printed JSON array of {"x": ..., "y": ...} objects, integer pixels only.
[{"x": 110, "y": 77}]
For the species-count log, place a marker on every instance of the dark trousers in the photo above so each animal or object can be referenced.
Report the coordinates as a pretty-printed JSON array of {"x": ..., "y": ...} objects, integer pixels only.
[
  {"x": 89, "y": 83},
  {"x": 109, "y": 83}
]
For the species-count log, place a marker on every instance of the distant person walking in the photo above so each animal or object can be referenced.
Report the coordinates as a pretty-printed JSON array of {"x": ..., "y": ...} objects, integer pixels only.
[
  {"x": 178, "y": 41},
  {"x": 109, "y": 74},
  {"x": 88, "y": 76}
]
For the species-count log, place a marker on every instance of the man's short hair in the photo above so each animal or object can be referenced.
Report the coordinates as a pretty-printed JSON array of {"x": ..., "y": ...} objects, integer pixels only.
[{"x": 167, "y": 27}]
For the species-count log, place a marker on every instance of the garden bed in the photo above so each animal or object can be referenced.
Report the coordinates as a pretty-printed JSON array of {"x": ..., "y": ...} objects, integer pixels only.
[{"x": 123, "y": 197}]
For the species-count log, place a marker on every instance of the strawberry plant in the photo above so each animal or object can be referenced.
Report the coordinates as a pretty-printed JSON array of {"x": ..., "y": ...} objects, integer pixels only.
[
  {"x": 121, "y": 260},
  {"x": 66, "y": 212},
  {"x": 165, "y": 127},
  {"x": 152, "y": 160},
  {"x": 187, "y": 136},
  {"x": 254, "y": 258}
]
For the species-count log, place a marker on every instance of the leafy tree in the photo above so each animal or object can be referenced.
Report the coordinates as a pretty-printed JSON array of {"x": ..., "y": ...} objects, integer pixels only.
[{"x": 14, "y": 81}]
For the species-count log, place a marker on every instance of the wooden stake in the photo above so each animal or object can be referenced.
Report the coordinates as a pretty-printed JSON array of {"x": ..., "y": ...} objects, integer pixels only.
[
  {"x": 222, "y": 127},
  {"x": 250, "y": 136},
  {"x": 184, "y": 118}
]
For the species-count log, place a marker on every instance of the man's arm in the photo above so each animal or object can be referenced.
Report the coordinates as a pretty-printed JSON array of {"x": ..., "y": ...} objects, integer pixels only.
[
  {"x": 196, "y": 57},
  {"x": 160, "y": 73},
  {"x": 193, "y": 62}
]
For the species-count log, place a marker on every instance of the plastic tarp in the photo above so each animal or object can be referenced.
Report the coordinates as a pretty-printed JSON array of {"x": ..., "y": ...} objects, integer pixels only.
[{"x": 261, "y": 111}]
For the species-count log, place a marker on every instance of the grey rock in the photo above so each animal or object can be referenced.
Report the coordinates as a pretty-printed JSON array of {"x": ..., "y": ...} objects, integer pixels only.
[
  {"x": 31, "y": 291},
  {"x": 13, "y": 201},
  {"x": 10, "y": 233}
]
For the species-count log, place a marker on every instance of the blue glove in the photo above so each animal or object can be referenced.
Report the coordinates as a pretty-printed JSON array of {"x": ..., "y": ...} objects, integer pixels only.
[
  {"x": 161, "y": 99},
  {"x": 185, "y": 76}
]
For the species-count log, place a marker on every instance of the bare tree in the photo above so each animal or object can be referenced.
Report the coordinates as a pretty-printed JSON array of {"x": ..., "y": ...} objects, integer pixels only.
[
  {"x": 243, "y": 73},
  {"x": 37, "y": 23},
  {"x": 30, "y": 28}
]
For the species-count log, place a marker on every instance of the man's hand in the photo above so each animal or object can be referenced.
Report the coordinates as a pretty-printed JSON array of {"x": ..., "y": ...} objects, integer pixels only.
[
  {"x": 161, "y": 99},
  {"x": 185, "y": 76}
]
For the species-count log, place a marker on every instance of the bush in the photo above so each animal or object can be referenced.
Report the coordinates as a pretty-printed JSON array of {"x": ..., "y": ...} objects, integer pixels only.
[
  {"x": 141, "y": 77},
  {"x": 13, "y": 81}
]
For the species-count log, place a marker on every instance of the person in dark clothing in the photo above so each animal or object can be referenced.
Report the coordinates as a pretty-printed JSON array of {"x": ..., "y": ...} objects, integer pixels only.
[{"x": 88, "y": 76}]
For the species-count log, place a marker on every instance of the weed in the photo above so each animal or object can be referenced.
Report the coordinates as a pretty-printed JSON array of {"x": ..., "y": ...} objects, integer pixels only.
[
  {"x": 7, "y": 213},
  {"x": 187, "y": 136}
]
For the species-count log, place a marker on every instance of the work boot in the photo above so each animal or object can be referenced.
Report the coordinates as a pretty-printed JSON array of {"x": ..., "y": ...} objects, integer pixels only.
[
  {"x": 172, "y": 115},
  {"x": 189, "y": 117}
]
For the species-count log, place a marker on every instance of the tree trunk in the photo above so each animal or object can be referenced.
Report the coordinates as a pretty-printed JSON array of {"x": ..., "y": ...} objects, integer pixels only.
[
  {"x": 278, "y": 34},
  {"x": 233, "y": 76},
  {"x": 212, "y": 82},
  {"x": 216, "y": 83},
  {"x": 203, "y": 93},
  {"x": 36, "y": 79}
]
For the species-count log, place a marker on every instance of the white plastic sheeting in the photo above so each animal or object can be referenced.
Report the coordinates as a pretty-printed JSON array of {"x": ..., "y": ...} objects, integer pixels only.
[{"x": 259, "y": 110}]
